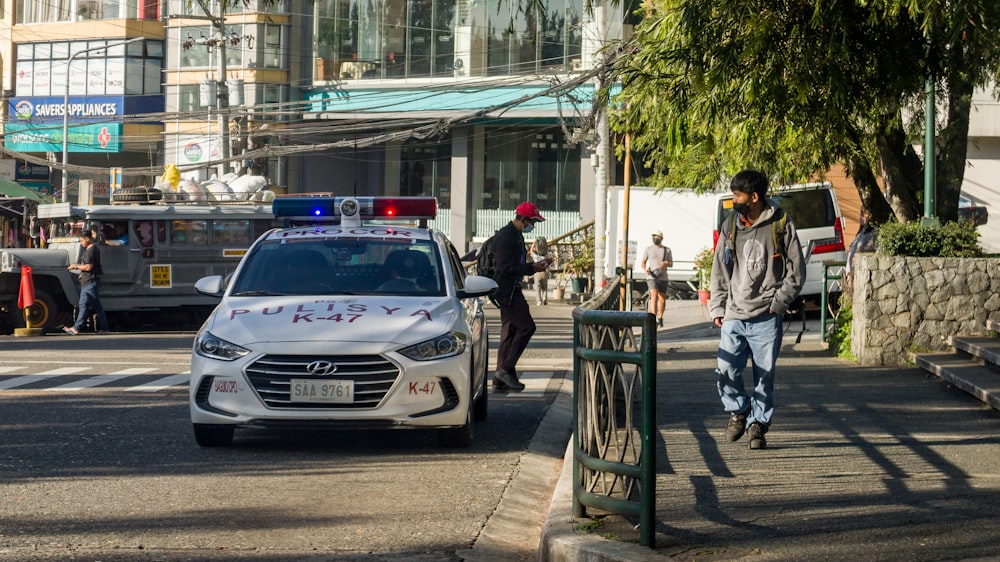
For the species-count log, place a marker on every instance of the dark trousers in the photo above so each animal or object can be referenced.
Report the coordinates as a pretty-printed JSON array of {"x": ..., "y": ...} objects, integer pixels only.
[{"x": 516, "y": 329}]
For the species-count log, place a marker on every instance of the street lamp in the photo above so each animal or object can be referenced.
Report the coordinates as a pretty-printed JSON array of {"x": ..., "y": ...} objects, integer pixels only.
[{"x": 65, "y": 139}]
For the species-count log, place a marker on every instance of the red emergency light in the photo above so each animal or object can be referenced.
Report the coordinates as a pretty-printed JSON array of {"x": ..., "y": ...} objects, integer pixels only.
[
  {"x": 404, "y": 208},
  {"x": 328, "y": 209}
]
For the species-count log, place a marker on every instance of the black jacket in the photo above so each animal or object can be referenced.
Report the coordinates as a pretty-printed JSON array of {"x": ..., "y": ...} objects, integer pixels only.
[{"x": 511, "y": 261}]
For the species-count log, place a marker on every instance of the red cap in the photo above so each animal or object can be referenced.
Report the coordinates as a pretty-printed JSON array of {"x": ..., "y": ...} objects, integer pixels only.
[{"x": 529, "y": 210}]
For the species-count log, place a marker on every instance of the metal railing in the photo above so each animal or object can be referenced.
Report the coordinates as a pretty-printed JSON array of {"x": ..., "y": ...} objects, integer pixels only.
[
  {"x": 488, "y": 221},
  {"x": 614, "y": 455}
]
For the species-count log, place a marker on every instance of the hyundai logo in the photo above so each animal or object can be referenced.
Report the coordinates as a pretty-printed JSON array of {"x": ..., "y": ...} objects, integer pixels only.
[{"x": 321, "y": 368}]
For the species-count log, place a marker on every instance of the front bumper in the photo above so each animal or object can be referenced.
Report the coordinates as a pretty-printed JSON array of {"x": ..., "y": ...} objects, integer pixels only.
[{"x": 254, "y": 390}]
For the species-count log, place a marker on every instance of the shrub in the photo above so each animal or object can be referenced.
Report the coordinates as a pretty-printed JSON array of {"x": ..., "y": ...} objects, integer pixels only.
[
  {"x": 840, "y": 338},
  {"x": 952, "y": 240}
]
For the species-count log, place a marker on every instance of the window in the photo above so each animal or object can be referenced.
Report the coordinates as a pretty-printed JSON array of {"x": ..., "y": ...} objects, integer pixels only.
[
  {"x": 425, "y": 169},
  {"x": 531, "y": 165},
  {"x": 33, "y": 11},
  {"x": 188, "y": 98},
  {"x": 188, "y": 232},
  {"x": 231, "y": 232},
  {"x": 272, "y": 46},
  {"x": 42, "y": 68},
  {"x": 269, "y": 101},
  {"x": 144, "y": 233}
]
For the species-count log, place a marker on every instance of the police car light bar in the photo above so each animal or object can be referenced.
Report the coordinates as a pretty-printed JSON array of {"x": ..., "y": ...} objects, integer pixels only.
[{"x": 318, "y": 208}]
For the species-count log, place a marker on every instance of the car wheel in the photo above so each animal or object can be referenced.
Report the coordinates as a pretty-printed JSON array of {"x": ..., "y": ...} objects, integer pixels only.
[
  {"x": 44, "y": 313},
  {"x": 213, "y": 435},
  {"x": 457, "y": 437},
  {"x": 136, "y": 195},
  {"x": 461, "y": 436}
]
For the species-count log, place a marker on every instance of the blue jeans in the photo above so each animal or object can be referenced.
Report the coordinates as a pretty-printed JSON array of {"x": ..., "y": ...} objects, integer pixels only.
[
  {"x": 90, "y": 303},
  {"x": 759, "y": 339}
]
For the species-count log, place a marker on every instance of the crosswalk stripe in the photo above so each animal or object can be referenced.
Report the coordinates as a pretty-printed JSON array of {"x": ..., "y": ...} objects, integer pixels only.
[
  {"x": 8, "y": 369},
  {"x": 99, "y": 379},
  {"x": 28, "y": 379},
  {"x": 161, "y": 384}
]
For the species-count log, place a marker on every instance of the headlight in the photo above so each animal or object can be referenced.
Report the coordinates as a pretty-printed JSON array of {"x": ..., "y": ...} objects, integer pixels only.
[
  {"x": 447, "y": 345},
  {"x": 208, "y": 345}
]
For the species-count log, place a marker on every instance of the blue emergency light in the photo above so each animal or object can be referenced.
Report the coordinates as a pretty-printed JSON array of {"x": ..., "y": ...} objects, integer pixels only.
[{"x": 315, "y": 208}]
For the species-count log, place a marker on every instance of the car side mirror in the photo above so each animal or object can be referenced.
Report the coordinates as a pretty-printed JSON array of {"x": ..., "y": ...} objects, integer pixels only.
[
  {"x": 477, "y": 286},
  {"x": 212, "y": 286}
]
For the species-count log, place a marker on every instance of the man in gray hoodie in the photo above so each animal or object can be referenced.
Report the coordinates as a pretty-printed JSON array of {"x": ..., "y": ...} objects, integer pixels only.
[{"x": 758, "y": 271}]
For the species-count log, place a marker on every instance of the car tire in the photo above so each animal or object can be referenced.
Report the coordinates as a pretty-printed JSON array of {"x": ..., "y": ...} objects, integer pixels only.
[
  {"x": 45, "y": 313},
  {"x": 136, "y": 195},
  {"x": 459, "y": 437},
  {"x": 213, "y": 435}
]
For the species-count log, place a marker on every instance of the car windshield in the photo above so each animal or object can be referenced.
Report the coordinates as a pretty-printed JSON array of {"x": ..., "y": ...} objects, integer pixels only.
[{"x": 341, "y": 267}]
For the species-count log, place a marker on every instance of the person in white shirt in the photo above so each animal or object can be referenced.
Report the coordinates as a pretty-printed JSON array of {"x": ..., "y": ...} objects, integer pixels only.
[{"x": 655, "y": 261}]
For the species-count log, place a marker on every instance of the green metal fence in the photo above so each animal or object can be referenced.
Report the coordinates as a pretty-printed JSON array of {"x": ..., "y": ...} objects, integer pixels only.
[{"x": 614, "y": 414}]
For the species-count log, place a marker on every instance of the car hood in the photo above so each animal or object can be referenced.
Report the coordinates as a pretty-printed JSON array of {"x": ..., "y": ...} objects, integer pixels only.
[{"x": 397, "y": 320}]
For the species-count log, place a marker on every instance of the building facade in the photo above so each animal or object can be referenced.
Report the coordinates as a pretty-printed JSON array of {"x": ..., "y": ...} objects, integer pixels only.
[
  {"x": 458, "y": 99},
  {"x": 469, "y": 101}
]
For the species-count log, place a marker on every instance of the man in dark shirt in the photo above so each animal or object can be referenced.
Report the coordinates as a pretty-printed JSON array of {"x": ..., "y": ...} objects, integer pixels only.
[
  {"x": 516, "y": 324},
  {"x": 89, "y": 268}
]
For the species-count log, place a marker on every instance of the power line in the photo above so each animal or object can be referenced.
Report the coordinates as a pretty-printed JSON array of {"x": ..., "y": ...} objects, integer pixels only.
[{"x": 417, "y": 129}]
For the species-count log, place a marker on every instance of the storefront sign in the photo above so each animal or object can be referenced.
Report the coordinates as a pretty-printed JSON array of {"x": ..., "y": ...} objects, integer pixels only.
[{"x": 96, "y": 137}]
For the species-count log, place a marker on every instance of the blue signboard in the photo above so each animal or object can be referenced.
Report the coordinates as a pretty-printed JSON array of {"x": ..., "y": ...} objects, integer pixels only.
[
  {"x": 49, "y": 109},
  {"x": 30, "y": 172}
]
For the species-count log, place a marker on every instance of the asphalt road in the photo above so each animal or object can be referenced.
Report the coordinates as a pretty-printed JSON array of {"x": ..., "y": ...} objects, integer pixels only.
[{"x": 97, "y": 462}]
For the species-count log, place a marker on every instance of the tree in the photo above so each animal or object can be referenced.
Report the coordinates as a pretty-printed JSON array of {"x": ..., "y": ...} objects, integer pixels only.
[{"x": 792, "y": 87}]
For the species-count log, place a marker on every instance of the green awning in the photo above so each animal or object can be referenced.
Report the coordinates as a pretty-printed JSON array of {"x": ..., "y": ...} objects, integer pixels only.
[{"x": 13, "y": 189}]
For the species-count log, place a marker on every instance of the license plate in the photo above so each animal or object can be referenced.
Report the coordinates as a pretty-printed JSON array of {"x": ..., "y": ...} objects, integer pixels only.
[{"x": 324, "y": 391}]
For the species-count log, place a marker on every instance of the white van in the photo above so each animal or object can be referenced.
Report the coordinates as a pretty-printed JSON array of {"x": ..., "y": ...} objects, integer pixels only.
[{"x": 820, "y": 225}]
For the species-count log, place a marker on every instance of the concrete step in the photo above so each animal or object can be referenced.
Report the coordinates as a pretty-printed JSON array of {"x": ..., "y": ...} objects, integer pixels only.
[
  {"x": 963, "y": 373},
  {"x": 984, "y": 348},
  {"x": 993, "y": 325}
]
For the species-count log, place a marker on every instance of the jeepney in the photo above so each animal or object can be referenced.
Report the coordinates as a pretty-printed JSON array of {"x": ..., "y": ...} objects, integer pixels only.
[{"x": 151, "y": 255}]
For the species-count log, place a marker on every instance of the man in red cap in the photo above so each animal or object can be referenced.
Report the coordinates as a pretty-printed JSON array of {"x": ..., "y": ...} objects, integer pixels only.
[{"x": 516, "y": 324}]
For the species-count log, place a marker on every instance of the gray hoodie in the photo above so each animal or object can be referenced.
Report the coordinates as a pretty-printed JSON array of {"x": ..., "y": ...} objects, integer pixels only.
[{"x": 748, "y": 278}]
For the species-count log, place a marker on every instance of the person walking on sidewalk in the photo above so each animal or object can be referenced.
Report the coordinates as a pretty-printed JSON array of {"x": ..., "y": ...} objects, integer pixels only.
[
  {"x": 516, "y": 323},
  {"x": 758, "y": 271},
  {"x": 89, "y": 268},
  {"x": 655, "y": 261},
  {"x": 539, "y": 252}
]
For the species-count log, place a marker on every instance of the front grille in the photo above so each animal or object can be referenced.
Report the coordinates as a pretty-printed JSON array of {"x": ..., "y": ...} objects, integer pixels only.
[{"x": 373, "y": 376}]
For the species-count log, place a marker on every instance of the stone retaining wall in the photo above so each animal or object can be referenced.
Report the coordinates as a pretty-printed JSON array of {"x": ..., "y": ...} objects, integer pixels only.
[{"x": 904, "y": 304}]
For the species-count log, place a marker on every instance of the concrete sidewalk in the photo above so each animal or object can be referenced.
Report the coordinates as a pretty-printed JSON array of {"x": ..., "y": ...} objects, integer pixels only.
[{"x": 862, "y": 463}]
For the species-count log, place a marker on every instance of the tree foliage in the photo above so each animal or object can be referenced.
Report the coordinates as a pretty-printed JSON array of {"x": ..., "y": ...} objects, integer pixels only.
[{"x": 792, "y": 87}]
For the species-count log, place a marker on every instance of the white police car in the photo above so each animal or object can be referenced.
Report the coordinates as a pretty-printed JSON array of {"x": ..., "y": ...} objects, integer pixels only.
[{"x": 344, "y": 319}]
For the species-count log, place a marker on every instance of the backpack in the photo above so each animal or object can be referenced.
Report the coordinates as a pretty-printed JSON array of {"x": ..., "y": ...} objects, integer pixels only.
[
  {"x": 486, "y": 260},
  {"x": 778, "y": 229}
]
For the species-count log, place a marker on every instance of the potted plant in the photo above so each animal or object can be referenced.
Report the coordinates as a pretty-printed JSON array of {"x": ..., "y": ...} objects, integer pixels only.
[
  {"x": 580, "y": 268},
  {"x": 703, "y": 267}
]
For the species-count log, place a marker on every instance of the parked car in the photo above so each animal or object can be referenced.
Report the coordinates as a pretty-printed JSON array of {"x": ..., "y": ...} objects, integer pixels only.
[{"x": 345, "y": 319}]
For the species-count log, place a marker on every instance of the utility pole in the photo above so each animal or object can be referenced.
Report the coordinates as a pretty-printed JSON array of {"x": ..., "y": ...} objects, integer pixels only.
[
  {"x": 603, "y": 150},
  {"x": 218, "y": 40}
]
